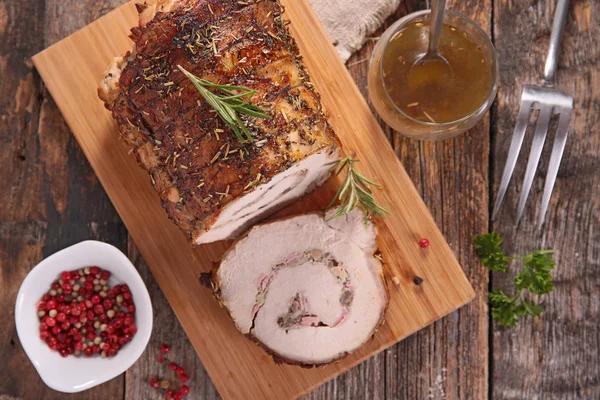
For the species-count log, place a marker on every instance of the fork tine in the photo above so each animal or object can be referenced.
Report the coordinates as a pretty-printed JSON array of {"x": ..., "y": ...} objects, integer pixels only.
[
  {"x": 562, "y": 130},
  {"x": 539, "y": 138},
  {"x": 513, "y": 152}
]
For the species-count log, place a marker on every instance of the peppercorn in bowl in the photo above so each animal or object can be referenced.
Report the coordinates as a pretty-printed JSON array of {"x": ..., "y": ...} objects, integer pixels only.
[{"x": 83, "y": 316}]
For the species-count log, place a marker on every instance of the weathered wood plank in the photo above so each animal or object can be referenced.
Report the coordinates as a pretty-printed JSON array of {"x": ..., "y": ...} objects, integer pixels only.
[
  {"x": 366, "y": 381},
  {"x": 51, "y": 196},
  {"x": 554, "y": 356},
  {"x": 23, "y": 224}
]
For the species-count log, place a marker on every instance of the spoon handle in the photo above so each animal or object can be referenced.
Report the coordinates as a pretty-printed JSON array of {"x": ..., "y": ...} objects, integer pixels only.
[{"x": 435, "y": 26}]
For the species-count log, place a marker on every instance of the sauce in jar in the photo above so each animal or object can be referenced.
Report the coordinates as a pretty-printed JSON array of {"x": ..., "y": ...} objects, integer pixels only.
[{"x": 431, "y": 95}]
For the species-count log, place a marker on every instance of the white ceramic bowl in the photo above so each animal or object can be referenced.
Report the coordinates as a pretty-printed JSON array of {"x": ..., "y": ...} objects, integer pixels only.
[{"x": 74, "y": 374}]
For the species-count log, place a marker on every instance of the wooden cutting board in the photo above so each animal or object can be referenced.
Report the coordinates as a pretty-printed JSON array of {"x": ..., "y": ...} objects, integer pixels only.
[{"x": 71, "y": 70}]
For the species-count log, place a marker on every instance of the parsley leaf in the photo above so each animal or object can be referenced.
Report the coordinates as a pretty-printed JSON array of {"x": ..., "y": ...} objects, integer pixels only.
[
  {"x": 507, "y": 310},
  {"x": 533, "y": 278},
  {"x": 529, "y": 309},
  {"x": 503, "y": 308},
  {"x": 536, "y": 277},
  {"x": 490, "y": 253}
]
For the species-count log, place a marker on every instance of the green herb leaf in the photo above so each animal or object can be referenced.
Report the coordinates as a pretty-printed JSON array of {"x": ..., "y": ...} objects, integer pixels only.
[
  {"x": 233, "y": 101},
  {"x": 535, "y": 276},
  {"x": 354, "y": 191},
  {"x": 507, "y": 310},
  {"x": 529, "y": 309},
  {"x": 503, "y": 308},
  {"x": 490, "y": 253}
]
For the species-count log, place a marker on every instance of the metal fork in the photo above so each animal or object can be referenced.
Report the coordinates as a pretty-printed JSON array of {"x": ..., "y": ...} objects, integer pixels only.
[{"x": 548, "y": 101}]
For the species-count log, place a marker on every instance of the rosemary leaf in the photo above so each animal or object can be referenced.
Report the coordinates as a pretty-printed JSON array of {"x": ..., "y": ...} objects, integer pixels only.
[
  {"x": 354, "y": 191},
  {"x": 229, "y": 104}
]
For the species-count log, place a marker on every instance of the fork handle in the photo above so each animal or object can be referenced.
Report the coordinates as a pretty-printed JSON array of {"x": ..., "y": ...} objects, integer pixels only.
[{"x": 560, "y": 17}]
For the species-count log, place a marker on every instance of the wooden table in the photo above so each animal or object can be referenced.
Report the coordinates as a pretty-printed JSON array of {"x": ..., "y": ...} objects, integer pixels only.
[{"x": 52, "y": 199}]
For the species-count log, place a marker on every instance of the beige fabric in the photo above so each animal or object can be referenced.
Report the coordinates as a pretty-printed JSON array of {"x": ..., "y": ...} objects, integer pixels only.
[{"x": 350, "y": 22}]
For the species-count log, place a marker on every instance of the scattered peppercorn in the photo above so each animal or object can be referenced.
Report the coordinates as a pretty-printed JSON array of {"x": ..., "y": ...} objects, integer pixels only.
[
  {"x": 154, "y": 382},
  {"x": 184, "y": 390},
  {"x": 418, "y": 280},
  {"x": 164, "y": 348},
  {"x": 424, "y": 243}
]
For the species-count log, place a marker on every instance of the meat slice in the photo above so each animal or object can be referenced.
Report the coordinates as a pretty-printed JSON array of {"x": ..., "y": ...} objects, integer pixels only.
[
  {"x": 212, "y": 185},
  {"x": 316, "y": 295}
]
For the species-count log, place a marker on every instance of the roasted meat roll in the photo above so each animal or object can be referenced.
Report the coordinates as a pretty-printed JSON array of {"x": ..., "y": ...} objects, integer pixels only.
[
  {"x": 212, "y": 185},
  {"x": 308, "y": 290}
]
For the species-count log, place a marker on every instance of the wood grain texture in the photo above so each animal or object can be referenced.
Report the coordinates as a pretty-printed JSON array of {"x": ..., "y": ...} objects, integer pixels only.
[
  {"x": 554, "y": 356},
  {"x": 50, "y": 194},
  {"x": 167, "y": 330},
  {"x": 230, "y": 359}
]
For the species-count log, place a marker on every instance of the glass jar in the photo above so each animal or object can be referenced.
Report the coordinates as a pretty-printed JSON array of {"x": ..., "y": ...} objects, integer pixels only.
[{"x": 404, "y": 123}]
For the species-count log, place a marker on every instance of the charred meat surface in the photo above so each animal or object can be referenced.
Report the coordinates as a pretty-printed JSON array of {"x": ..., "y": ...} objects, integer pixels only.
[
  {"x": 212, "y": 185},
  {"x": 309, "y": 301}
]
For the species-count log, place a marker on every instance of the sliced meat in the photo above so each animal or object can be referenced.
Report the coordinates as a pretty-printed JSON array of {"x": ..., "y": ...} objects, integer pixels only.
[
  {"x": 212, "y": 185},
  {"x": 309, "y": 291}
]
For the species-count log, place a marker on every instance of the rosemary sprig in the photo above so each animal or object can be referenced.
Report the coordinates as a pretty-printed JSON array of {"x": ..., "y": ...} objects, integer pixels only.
[
  {"x": 355, "y": 191},
  {"x": 232, "y": 101}
]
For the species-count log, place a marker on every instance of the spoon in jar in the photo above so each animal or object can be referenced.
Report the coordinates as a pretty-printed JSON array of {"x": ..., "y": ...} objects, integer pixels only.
[{"x": 432, "y": 66}]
